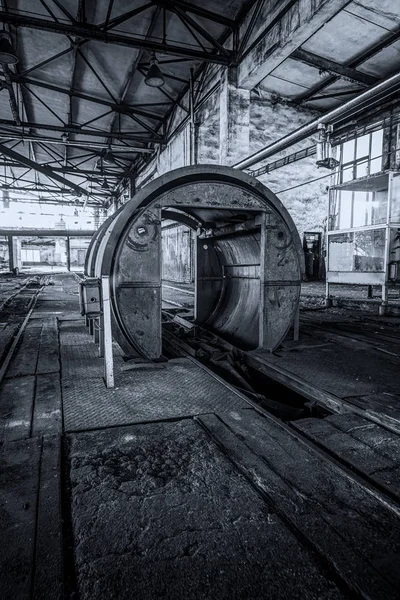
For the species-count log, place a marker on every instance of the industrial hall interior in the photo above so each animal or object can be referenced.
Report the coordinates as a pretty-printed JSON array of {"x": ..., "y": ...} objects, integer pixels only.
[{"x": 199, "y": 299}]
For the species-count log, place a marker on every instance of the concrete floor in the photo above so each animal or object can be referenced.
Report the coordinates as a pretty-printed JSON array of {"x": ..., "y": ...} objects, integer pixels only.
[{"x": 173, "y": 486}]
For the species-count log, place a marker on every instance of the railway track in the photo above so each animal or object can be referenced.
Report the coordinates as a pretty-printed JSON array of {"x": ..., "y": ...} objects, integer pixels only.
[
  {"x": 15, "y": 311},
  {"x": 311, "y": 422}
]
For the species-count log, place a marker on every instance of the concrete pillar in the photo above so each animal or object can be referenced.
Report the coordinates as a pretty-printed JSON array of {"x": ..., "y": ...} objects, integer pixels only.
[
  {"x": 14, "y": 252},
  {"x": 234, "y": 119},
  {"x": 60, "y": 251},
  {"x": 96, "y": 217}
]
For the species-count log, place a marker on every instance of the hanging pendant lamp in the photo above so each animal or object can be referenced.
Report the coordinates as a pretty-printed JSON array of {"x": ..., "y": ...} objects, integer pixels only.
[
  {"x": 7, "y": 53},
  {"x": 154, "y": 77}
]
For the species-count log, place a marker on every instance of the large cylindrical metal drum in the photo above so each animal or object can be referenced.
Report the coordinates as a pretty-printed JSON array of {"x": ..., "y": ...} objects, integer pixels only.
[{"x": 249, "y": 259}]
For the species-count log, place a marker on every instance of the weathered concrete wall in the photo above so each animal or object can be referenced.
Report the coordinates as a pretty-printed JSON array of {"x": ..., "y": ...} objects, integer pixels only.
[
  {"x": 207, "y": 132},
  {"x": 270, "y": 120},
  {"x": 177, "y": 254}
]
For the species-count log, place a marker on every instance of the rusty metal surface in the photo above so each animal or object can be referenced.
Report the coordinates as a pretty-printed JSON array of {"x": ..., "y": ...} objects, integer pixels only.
[{"x": 252, "y": 308}]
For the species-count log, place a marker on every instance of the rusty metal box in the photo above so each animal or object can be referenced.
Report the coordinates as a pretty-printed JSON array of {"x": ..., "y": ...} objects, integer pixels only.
[{"x": 90, "y": 297}]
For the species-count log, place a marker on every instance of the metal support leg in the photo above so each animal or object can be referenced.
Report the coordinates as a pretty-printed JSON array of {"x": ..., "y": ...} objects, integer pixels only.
[
  {"x": 370, "y": 291},
  {"x": 328, "y": 300},
  {"x": 90, "y": 326},
  {"x": 96, "y": 327},
  {"x": 383, "y": 306},
  {"x": 11, "y": 253},
  {"x": 108, "y": 354},
  {"x": 101, "y": 337},
  {"x": 296, "y": 325}
]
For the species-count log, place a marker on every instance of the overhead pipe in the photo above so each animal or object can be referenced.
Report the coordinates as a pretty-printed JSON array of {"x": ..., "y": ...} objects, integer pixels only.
[{"x": 347, "y": 109}]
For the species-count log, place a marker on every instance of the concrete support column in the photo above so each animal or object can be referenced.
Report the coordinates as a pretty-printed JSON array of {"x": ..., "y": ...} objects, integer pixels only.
[
  {"x": 60, "y": 252},
  {"x": 234, "y": 119},
  {"x": 96, "y": 217},
  {"x": 14, "y": 253}
]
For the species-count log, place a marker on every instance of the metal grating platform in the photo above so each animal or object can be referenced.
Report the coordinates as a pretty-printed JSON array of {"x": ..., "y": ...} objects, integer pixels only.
[{"x": 182, "y": 389}]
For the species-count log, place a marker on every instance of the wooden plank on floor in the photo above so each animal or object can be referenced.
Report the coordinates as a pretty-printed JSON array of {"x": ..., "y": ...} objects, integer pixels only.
[
  {"x": 48, "y": 577},
  {"x": 47, "y": 416},
  {"x": 357, "y": 533},
  {"x": 384, "y": 409},
  {"x": 367, "y": 458},
  {"x": 16, "y": 404},
  {"x": 19, "y": 476},
  {"x": 386, "y": 443},
  {"x": 7, "y": 335}
]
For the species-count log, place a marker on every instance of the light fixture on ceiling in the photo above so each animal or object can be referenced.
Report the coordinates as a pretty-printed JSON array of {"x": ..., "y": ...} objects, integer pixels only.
[
  {"x": 8, "y": 55},
  {"x": 104, "y": 185},
  {"x": 108, "y": 157},
  {"x": 64, "y": 137},
  {"x": 154, "y": 77}
]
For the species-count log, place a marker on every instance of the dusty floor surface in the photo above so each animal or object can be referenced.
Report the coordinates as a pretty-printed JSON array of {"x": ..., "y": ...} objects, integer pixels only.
[{"x": 173, "y": 486}]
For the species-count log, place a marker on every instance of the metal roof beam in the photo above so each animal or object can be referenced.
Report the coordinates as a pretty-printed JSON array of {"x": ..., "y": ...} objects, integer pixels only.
[
  {"x": 76, "y": 172},
  {"x": 293, "y": 23},
  {"x": 123, "y": 136},
  {"x": 176, "y": 7},
  {"x": 95, "y": 146},
  {"x": 111, "y": 23},
  {"x": 333, "y": 67},
  {"x": 356, "y": 62},
  {"x": 201, "y": 12},
  {"x": 48, "y": 232},
  {"x": 23, "y": 160},
  {"x": 93, "y": 32},
  {"x": 117, "y": 107}
]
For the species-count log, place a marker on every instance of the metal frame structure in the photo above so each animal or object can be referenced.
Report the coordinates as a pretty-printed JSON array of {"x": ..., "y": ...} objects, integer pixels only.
[
  {"x": 150, "y": 125},
  {"x": 390, "y": 225},
  {"x": 153, "y": 124}
]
